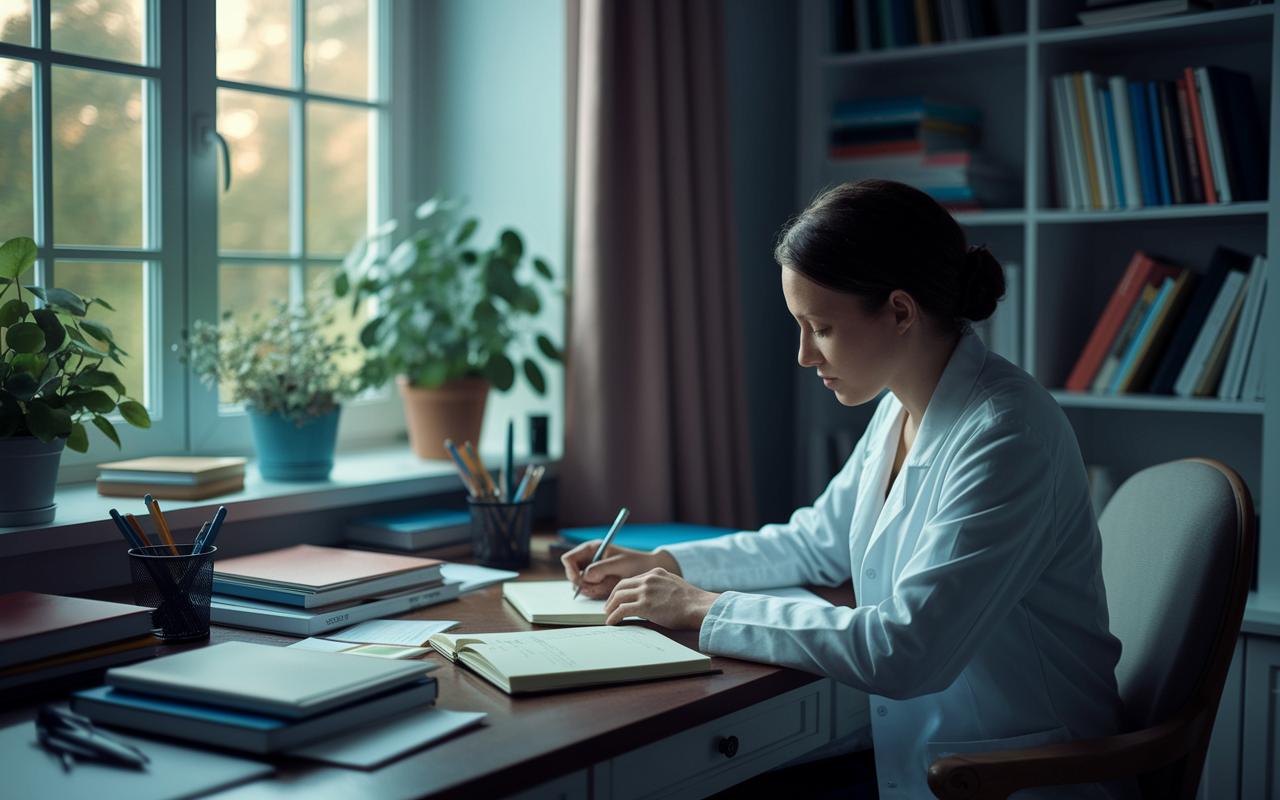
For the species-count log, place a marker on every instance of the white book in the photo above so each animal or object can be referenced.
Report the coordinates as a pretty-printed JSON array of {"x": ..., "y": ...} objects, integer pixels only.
[
  {"x": 1242, "y": 342},
  {"x": 553, "y": 603},
  {"x": 1253, "y": 389},
  {"x": 1101, "y": 157},
  {"x": 1124, "y": 139},
  {"x": 1213, "y": 136},
  {"x": 1079, "y": 161},
  {"x": 1197, "y": 357},
  {"x": 1068, "y": 190},
  {"x": 280, "y": 681},
  {"x": 242, "y": 612}
]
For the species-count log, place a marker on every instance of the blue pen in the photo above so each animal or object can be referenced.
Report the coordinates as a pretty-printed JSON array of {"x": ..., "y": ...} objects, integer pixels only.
[
  {"x": 207, "y": 541},
  {"x": 509, "y": 476},
  {"x": 128, "y": 533},
  {"x": 519, "y": 495}
]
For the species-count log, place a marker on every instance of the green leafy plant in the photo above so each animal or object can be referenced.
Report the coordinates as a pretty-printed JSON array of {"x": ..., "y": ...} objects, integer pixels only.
[
  {"x": 286, "y": 363},
  {"x": 444, "y": 309},
  {"x": 51, "y": 357}
]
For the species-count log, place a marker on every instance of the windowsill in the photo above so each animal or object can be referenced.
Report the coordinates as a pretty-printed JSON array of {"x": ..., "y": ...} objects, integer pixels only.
[
  {"x": 359, "y": 478},
  {"x": 1261, "y": 615}
]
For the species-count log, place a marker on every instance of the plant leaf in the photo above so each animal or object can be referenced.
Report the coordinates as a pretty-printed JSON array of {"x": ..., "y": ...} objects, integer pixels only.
[
  {"x": 341, "y": 284},
  {"x": 12, "y": 312},
  {"x": 33, "y": 364},
  {"x": 464, "y": 233},
  {"x": 25, "y": 337},
  {"x": 369, "y": 333},
  {"x": 542, "y": 268},
  {"x": 98, "y": 377},
  {"x": 90, "y": 301},
  {"x": 78, "y": 439},
  {"x": 534, "y": 375},
  {"x": 135, "y": 414},
  {"x": 59, "y": 298},
  {"x": 512, "y": 245},
  {"x": 54, "y": 334},
  {"x": 97, "y": 330},
  {"x": 16, "y": 256},
  {"x": 97, "y": 401},
  {"x": 46, "y": 423},
  {"x": 499, "y": 371},
  {"x": 107, "y": 429},
  {"x": 21, "y": 385},
  {"x": 548, "y": 349}
]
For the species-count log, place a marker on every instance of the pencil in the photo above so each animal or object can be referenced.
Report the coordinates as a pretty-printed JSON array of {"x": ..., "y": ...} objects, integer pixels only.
[
  {"x": 533, "y": 482},
  {"x": 137, "y": 528},
  {"x": 474, "y": 460},
  {"x": 161, "y": 527},
  {"x": 463, "y": 471}
]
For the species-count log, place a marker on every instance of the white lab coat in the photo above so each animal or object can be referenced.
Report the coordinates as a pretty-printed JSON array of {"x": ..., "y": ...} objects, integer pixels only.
[{"x": 982, "y": 618}]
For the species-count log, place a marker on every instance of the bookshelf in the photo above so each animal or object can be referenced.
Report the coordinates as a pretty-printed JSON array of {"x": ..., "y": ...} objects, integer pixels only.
[{"x": 1071, "y": 260}]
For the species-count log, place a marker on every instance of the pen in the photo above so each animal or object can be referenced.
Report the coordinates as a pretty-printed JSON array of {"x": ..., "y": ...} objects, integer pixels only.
[
  {"x": 518, "y": 496},
  {"x": 214, "y": 527},
  {"x": 161, "y": 527},
  {"x": 509, "y": 468},
  {"x": 137, "y": 528},
  {"x": 467, "y": 477},
  {"x": 533, "y": 482},
  {"x": 128, "y": 533},
  {"x": 474, "y": 461},
  {"x": 604, "y": 545}
]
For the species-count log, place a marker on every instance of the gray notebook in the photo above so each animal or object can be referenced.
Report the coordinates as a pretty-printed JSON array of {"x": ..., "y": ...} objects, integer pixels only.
[
  {"x": 33, "y": 773},
  {"x": 280, "y": 681}
]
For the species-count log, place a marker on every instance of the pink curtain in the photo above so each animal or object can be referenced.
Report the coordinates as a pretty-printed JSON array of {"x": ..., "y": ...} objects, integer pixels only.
[{"x": 656, "y": 406}]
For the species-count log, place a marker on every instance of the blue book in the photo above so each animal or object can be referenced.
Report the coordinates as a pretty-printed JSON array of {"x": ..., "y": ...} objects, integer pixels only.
[
  {"x": 1157, "y": 138},
  {"x": 1144, "y": 332},
  {"x": 1108, "y": 108},
  {"x": 646, "y": 536},
  {"x": 416, "y": 530},
  {"x": 242, "y": 730},
  {"x": 1142, "y": 140}
]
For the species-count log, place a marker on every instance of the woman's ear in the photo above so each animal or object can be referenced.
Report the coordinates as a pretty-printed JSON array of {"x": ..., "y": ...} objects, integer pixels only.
[{"x": 903, "y": 308}]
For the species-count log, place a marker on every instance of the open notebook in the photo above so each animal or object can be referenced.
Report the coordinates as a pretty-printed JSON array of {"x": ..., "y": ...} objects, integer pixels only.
[{"x": 539, "y": 661}]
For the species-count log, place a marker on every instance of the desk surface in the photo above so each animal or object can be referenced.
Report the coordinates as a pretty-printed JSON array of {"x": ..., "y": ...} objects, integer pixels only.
[{"x": 524, "y": 741}]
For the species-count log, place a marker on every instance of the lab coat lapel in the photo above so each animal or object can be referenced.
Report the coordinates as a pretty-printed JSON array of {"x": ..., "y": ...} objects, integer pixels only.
[{"x": 949, "y": 399}]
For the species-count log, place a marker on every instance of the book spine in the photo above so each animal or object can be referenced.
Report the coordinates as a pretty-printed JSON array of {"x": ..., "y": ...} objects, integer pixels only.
[
  {"x": 1160, "y": 159},
  {"x": 1195, "y": 183},
  {"x": 1113, "y": 148},
  {"x": 1209, "y": 113},
  {"x": 1120, "y": 345},
  {"x": 1124, "y": 141},
  {"x": 1197, "y": 127},
  {"x": 1174, "y": 156},
  {"x": 1086, "y": 137},
  {"x": 1142, "y": 140},
  {"x": 1197, "y": 359},
  {"x": 1093, "y": 141},
  {"x": 1243, "y": 144},
  {"x": 1126, "y": 293},
  {"x": 1120, "y": 382},
  {"x": 1238, "y": 356},
  {"x": 1211, "y": 375},
  {"x": 1068, "y": 192},
  {"x": 1079, "y": 173}
]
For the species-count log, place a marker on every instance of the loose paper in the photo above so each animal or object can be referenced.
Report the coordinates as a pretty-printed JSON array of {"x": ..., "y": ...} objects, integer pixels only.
[
  {"x": 321, "y": 644},
  {"x": 379, "y": 743},
  {"x": 474, "y": 578},
  {"x": 405, "y": 632}
]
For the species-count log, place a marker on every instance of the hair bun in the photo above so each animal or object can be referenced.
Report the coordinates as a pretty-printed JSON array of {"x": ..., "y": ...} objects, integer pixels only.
[{"x": 983, "y": 280}]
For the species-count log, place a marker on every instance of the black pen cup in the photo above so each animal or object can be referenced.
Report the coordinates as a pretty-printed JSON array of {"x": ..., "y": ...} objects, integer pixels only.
[
  {"x": 500, "y": 533},
  {"x": 178, "y": 588}
]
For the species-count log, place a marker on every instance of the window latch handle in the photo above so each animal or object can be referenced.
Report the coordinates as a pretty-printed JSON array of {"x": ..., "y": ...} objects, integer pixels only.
[{"x": 208, "y": 137}]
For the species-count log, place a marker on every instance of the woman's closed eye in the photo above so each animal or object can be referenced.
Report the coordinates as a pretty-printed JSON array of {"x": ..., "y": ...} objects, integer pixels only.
[{"x": 822, "y": 333}]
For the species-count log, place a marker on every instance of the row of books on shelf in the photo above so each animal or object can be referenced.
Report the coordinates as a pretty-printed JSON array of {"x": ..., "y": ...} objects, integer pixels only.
[
  {"x": 1123, "y": 143},
  {"x": 1168, "y": 330},
  {"x": 920, "y": 141},
  {"x": 881, "y": 24},
  {"x": 172, "y": 477}
]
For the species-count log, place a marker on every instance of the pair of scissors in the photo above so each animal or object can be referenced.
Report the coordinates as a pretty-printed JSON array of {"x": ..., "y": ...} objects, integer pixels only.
[{"x": 70, "y": 735}]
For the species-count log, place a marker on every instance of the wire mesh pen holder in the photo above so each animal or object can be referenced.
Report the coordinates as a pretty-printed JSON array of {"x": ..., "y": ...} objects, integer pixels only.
[
  {"x": 500, "y": 533},
  {"x": 177, "y": 587}
]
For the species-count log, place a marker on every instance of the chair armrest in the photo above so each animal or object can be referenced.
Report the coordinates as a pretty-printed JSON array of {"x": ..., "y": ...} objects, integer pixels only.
[{"x": 997, "y": 774}]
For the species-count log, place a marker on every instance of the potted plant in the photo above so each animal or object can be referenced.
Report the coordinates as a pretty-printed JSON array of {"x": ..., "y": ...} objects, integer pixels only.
[
  {"x": 51, "y": 383},
  {"x": 451, "y": 321},
  {"x": 286, "y": 370}
]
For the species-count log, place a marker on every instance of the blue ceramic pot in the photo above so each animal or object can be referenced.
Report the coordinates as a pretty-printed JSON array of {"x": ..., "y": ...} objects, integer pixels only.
[
  {"x": 30, "y": 474},
  {"x": 289, "y": 453}
]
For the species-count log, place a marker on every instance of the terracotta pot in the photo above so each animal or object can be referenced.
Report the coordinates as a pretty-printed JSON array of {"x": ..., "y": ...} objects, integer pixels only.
[{"x": 453, "y": 411}]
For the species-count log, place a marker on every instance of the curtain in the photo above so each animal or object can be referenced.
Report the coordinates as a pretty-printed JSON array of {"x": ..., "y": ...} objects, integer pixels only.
[{"x": 655, "y": 396}]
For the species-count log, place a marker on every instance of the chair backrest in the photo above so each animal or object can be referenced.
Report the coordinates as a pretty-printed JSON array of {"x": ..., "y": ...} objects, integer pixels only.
[{"x": 1177, "y": 550}]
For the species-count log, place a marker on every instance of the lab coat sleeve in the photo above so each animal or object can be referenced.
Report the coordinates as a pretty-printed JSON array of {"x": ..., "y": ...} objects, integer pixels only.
[
  {"x": 986, "y": 542},
  {"x": 812, "y": 548}
]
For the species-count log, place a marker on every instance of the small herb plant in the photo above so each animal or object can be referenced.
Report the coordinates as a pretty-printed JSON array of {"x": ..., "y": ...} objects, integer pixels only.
[
  {"x": 444, "y": 309},
  {"x": 51, "y": 358},
  {"x": 287, "y": 363}
]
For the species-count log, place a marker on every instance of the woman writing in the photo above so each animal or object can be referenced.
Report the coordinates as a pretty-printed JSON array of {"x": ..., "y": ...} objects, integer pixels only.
[{"x": 962, "y": 517}]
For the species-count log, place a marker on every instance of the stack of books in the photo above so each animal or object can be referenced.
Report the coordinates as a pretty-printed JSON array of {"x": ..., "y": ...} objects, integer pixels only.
[
  {"x": 861, "y": 25},
  {"x": 257, "y": 698},
  {"x": 307, "y": 590},
  {"x": 1114, "y": 12},
  {"x": 48, "y": 641},
  {"x": 172, "y": 477},
  {"x": 413, "y": 531},
  {"x": 1121, "y": 143},
  {"x": 1167, "y": 330},
  {"x": 921, "y": 142}
]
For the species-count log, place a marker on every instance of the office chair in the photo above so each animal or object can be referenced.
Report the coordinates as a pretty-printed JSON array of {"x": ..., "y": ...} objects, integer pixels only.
[{"x": 1177, "y": 556}]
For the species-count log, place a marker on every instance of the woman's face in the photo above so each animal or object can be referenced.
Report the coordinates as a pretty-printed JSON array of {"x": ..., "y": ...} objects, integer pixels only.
[{"x": 854, "y": 353}]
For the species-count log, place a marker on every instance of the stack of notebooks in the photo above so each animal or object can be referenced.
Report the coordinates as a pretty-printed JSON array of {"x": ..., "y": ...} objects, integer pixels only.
[
  {"x": 1123, "y": 143},
  {"x": 257, "y": 698},
  {"x": 47, "y": 641},
  {"x": 1167, "y": 330},
  {"x": 307, "y": 590},
  {"x": 921, "y": 142},
  {"x": 412, "y": 531},
  {"x": 172, "y": 477},
  {"x": 860, "y": 25}
]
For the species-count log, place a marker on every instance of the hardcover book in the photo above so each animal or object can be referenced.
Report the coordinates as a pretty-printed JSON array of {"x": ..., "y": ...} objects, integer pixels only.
[
  {"x": 35, "y": 626},
  {"x": 311, "y": 576}
]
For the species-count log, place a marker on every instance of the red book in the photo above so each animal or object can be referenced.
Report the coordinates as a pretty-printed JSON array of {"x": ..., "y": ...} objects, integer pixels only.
[
  {"x": 35, "y": 626},
  {"x": 1142, "y": 270},
  {"x": 903, "y": 147},
  {"x": 1197, "y": 126}
]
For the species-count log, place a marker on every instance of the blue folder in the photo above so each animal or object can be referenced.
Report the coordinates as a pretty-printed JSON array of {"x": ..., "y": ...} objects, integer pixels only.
[{"x": 646, "y": 536}]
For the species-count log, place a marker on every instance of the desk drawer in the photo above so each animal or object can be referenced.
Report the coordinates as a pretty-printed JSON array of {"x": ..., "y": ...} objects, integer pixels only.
[{"x": 692, "y": 764}]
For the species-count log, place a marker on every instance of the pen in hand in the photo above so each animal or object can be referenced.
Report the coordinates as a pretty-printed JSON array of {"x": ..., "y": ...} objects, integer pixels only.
[{"x": 604, "y": 545}]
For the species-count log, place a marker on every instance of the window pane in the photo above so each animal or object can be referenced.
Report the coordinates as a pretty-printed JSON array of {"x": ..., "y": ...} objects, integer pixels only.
[
  {"x": 254, "y": 215},
  {"x": 337, "y": 176},
  {"x": 121, "y": 285},
  {"x": 97, "y": 158},
  {"x": 100, "y": 28},
  {"x": 16, "y": 204},
  {"x": 15, "y": 21},
  {"x": 337, "y": 52},
  {"x": 320, "y": 287},
  {"x": 255, "y": 41},
  {"x": 248, "y": 290}
]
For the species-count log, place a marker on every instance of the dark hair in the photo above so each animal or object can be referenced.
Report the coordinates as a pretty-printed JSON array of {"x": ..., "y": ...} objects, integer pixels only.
[{"x": 874, "y": 236}]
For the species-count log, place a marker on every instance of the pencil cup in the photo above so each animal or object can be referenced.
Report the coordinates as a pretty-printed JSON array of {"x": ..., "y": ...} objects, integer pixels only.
[
  {"x": 177, "y": 587},
  {"x": 500, "y": 533}
]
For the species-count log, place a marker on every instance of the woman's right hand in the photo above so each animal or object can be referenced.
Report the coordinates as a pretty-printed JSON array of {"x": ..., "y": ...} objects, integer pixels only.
[{"x": 598, "y": 580}]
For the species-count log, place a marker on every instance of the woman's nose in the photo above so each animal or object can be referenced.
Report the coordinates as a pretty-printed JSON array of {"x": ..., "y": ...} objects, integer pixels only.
[{"x": 808, "y": 355}]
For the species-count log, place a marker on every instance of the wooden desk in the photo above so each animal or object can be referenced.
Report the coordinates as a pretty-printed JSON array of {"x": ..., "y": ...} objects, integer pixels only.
[{"x": 586, "y": 735}]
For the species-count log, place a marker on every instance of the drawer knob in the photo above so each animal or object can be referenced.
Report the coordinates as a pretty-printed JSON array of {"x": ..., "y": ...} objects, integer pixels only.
[{"x": 728, "y": 745}]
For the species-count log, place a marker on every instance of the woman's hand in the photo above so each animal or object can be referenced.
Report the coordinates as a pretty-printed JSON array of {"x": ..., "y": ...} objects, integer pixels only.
[
  {"x": 662, "y": 598},
  {"x": 618, "y": 563}
]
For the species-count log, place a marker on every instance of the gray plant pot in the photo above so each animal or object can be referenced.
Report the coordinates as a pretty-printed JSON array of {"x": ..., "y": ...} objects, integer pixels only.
[{"x": 28, "y": 477}]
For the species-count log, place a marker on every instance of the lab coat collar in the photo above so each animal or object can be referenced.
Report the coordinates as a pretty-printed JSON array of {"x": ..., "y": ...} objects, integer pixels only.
[{"x": 949, "y": 399}]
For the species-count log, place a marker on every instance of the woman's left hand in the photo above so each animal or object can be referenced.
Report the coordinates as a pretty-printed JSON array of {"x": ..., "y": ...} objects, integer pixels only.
[{"x": 660, "y": 597}]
